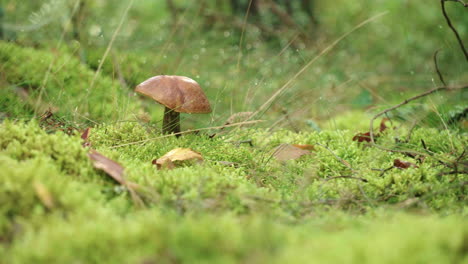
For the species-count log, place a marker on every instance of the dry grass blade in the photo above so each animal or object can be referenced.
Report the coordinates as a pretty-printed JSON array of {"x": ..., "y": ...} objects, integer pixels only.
[
  {"x": 49, "y": 68},
  {"x": 186, "y": 132},
  {"x": 323, "y": 52},
  {"x": 111, "y": 42}
]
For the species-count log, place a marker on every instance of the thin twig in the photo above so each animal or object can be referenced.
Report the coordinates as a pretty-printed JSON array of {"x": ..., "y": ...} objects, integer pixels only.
[
  {"x": 423, "y": 143},
  {"x": 344, "y": 162},
  {"x": 441, "y": 78},
  {"x": 346, "y": 177},
  {"x": 462, "y": 155},
  {"x": 406, "y": 101},
  {"x": 444, "y": 12}
]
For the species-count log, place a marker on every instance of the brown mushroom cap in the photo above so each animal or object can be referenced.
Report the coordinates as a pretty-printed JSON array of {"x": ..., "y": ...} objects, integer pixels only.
[{"x": 179, "y": 93}]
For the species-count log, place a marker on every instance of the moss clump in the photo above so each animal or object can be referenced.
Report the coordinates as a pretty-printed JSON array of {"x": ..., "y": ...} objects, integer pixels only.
[
  {"x": 24, "y": 141},
  {"x": 312, "y": 178},
  {"x": 261, "y": 210},
  {"x": 158, "y": 237},
  {"x": 65, "y": 84},
  {"x": 21, "y": 197}
]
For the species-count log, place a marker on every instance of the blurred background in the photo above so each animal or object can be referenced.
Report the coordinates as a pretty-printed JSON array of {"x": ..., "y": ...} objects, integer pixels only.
[{"x": 83, "y": 58}]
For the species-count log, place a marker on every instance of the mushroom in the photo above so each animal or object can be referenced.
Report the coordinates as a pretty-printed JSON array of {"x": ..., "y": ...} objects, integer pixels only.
[{"x": 178, "y": 94}]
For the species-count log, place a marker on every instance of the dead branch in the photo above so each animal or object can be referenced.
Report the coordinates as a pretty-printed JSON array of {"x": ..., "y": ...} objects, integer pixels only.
[
  {"x": 406, "y": 101},
  {"x": 444, "y": 12},
  {"x": 441, "y": 78}
]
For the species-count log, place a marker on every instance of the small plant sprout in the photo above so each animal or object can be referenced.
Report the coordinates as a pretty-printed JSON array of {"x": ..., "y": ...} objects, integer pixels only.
[{"x": 178, "y": 94}]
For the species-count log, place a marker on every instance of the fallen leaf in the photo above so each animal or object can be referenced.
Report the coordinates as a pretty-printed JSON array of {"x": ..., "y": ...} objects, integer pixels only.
[
  {"x": 116, "y": 172},
  {"x": 112, "y": 168},
  {"x": 288, "y": 152},
  {"x": 85, "y": 137},
  {"x": 177, "y": 155},
  {"x": 44, "y": 195},
  {"x": 403, "y": 164},
  {"x": 383, "y": 126},
  {"x": 304, "y": 146},
  {"x": 361, "y": 137},
  {"x": 163, "y": 163},
  {"x": 85, "y": 134}
]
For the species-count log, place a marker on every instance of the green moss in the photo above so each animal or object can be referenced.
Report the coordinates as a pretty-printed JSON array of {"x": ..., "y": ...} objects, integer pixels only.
[
  {"x": 23, "y": 141},
  {"x": 21, "y": 205},
  {"x": 63, "y": 83},
  {"x": 167, "y": 238},
  {"x": 12, "y": 106},
  {"x": 262, "y": 210},
  {"x": 305, "y": 180}
]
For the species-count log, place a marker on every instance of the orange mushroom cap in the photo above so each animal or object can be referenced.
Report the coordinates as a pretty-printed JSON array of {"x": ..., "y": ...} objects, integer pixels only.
[{"x": 178, "y": 93}]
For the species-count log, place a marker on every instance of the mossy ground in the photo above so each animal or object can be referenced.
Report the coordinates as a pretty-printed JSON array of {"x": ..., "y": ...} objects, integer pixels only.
[
  {"x": 262, "y": 210},
  {"x": 339, "y": 204}
]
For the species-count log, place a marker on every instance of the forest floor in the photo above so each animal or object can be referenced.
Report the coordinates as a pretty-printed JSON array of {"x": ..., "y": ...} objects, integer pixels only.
[{"x": 284, "y": 169}]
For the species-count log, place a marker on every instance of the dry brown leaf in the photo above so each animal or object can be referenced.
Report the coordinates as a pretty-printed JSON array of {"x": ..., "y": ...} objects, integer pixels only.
[
  {"x": 85, "y": 134},
  {"x": 116, "y": 172},
  {"x": 288, "y": 152},
  {"x": 361, "y": 137},
  {"x": 44, "y": 195},
  {"x": 112, "y": 168},
  {"x": 383, "y": 126},
  {"x": 403, "y": 164},
  {"x": 170, "y": 159},
  {"x": 85, "y": 137}
]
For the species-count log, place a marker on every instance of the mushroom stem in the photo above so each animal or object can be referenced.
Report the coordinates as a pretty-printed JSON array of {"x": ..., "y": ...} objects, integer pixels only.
[{"x": 171, "y": 121}]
